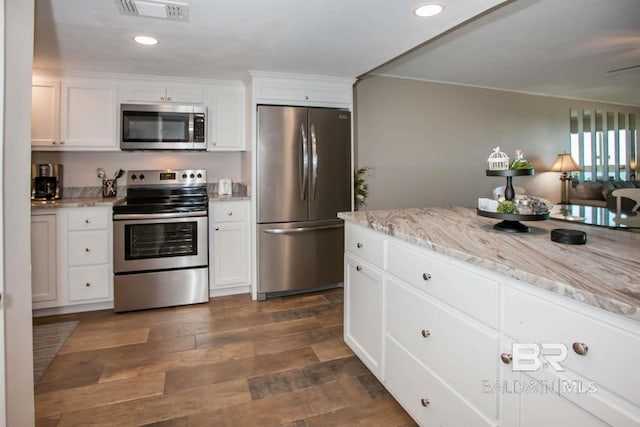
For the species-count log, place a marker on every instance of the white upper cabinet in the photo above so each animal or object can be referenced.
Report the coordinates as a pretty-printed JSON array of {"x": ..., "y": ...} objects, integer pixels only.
[
  {"x": 88, "y": 115},
  {"x": 73, "y": 114},
  {"x": 226, "y": 116},
  {"x": 305, "y": 90},
  {"x": 45, "y": 113},
  {"x": 169, "y": 93}
]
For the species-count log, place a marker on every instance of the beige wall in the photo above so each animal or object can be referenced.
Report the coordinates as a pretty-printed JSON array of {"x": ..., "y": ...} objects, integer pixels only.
[
  {"x": 80, "y": 167},
  {"x": 427, "y": 143},
  {"x": 16, "y": 300}
]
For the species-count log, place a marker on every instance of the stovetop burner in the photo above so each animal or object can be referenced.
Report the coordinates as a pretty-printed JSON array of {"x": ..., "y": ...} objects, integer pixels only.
[{"x": 164, "y": 191}]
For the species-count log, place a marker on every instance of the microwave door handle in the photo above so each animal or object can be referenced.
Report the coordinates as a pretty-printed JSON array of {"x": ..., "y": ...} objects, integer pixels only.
[
  {"x": 191, "y": 127},
  {"x": 314, "y": 161},
  {"x": 303, "y": 166}
]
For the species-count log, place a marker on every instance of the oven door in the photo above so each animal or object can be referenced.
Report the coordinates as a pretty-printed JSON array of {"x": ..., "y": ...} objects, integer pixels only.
[{"x": 154, "y": 242}]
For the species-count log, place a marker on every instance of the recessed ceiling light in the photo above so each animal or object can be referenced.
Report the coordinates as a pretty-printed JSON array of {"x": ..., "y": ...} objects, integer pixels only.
[
  {"x": 431, "y": 9},
  {"x": 145, "y": 40}
]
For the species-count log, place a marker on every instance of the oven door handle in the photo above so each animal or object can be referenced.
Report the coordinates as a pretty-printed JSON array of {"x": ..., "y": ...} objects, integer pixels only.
[{"x": 160, "y": 215}]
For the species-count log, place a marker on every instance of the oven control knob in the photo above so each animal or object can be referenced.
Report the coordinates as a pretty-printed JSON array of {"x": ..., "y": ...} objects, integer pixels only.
[
  {"x": 192, "y": 176},
  {"x": 134, "y": 177},
  {"x": 184, "y": 176},
  {"x": 199, "y": 175},
  {"x": 141, "y": 177}
]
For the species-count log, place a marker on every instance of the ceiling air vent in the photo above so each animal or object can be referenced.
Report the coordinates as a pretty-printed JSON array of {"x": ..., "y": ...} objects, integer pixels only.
[{"x": 154, "y": 9}]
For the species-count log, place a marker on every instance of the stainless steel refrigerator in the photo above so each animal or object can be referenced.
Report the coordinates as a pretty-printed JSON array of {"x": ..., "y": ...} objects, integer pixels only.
[{"x": 303, "y": 180}]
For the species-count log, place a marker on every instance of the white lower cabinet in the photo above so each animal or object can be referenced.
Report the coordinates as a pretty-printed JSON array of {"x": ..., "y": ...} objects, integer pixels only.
[
  {"x": 363, "y": 312},
  {"x": 229, "y": 255},
  {"x": 443, "y": 336},
  {"x": 78, "y": 258},
  {"x": 44, "y": 280}
]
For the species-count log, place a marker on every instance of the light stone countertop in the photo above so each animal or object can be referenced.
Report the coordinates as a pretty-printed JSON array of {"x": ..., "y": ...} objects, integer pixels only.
[
  {"x": 215, "y": 197},
  {"x": 605, "y": 272},
  {"x": 75, "y": 202}
]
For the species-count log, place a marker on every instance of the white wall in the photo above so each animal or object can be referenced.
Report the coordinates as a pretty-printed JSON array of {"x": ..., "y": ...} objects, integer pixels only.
[
  {"x": 427, "y": 143},
  {"x": 18, "y": 28},
  {"x": 80, "y": 167}
]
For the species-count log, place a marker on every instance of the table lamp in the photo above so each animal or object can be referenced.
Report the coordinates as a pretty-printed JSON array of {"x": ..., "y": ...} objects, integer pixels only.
[{"x": 564, "y": 163}]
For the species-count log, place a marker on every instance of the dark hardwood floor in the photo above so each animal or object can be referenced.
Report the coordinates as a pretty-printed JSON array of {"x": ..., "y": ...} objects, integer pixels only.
[{"x": 231, "y": 362}]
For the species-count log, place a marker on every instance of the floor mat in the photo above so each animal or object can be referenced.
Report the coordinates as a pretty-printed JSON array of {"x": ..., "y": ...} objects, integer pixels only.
[{"x": 47, "y": 340}]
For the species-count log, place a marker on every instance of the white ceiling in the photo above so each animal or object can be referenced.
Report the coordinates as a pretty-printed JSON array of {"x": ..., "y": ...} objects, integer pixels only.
[
  {"x": 225, "y": 39},
  {"x": 555, "y": 47}
]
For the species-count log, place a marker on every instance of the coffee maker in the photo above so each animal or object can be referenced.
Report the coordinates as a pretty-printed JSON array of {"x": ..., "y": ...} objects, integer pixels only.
[{"x": 46, "y": 181}]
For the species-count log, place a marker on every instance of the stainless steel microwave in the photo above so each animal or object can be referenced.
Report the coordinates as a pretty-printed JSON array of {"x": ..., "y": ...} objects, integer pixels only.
[{"x": 163, "y": 127}]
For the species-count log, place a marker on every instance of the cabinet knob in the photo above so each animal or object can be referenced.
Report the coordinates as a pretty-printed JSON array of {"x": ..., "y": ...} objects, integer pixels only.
[
  {"x": 580, "y": 348},
  {"x": 229, "y": 213},
  {"x": 358, "y": 245},
  {"x": 54, "y": 143},
  {"x": 87, "y": 250},
  {"x": 425, "y": 333},
  {"x": 217, "y": 229},
  {"x": 506, "y": 358},
  {"x": 61, "y": 142},
  {"x": 426, "y": 276},
  {"x": 424, "y": 402},
  {"x": 87, "y": 221},
  {"x": 359, "y": 268},
  {"x": 306, "y": 97},
  {"x": 87, "y": 284}
]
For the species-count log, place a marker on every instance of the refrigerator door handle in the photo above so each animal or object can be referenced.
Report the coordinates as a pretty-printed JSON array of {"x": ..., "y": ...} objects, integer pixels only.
[
  {"x": 314, "y": 161},
  {"x": 303, "y": 166},
  {"x": 301, "y": 229}
]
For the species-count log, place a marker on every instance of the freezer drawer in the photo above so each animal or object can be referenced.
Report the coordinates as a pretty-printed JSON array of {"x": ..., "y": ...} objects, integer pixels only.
[{"x": 301, "y": 255}]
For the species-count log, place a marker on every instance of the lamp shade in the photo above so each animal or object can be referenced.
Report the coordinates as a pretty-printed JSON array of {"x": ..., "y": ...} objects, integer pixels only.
[{"x": 565, "y": 163}]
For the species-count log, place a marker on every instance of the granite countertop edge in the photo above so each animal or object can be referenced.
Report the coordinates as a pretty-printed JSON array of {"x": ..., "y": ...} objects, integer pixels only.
[
  {"x": 625, "y": 303},
  {"x": 80, "y": 202}
]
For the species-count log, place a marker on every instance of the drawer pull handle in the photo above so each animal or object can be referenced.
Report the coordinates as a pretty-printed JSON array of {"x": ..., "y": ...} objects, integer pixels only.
[
  {"x": 424, "y": 402},
  {"x": 580, "y": 348},
  {"x": 87, "y": 284},
  {"x": 426, "y": 276},
  {"x": 359, "y": 245},
  {"x": 87, "y": 250},
  {"x": 506, "y": 358},
  {"x": 425, "y": 333},
  {"x": 359, "y": 268}
]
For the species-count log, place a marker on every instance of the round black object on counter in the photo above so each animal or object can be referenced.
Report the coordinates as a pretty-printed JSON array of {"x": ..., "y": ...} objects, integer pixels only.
[{"x": 568, "y": 237}]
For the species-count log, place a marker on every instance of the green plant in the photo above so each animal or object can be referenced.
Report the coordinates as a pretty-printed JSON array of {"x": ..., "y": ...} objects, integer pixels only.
[
  {"x": 507, "y": 207},
  {"x": 360, "y": 186}
]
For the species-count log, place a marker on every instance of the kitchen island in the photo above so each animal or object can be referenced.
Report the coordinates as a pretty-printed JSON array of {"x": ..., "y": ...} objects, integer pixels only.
[{"x": 439, "y": 306}]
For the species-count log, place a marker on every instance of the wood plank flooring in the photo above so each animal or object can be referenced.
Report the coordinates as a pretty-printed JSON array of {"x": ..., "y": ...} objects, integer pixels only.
[{"x": 230, "y": 362}]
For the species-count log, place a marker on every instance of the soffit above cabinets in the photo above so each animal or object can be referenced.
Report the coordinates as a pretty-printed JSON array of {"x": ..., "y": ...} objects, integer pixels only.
[{"x": 225, "y": 39}]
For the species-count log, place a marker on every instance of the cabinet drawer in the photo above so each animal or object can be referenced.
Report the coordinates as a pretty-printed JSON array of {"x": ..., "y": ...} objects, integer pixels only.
[
  {"x": 612, "y": 356},
  {"x": 88, "y": 247},
  {"x": 414, "y": 387},
  {"x": 468, "y": 291},
  {"x": 87, "y": 283},
  {"x": 89, "y": 218},
  {"x": 365, "y": 244},
  {"x": 462, "y": 354},
  {"x": 228, "y": 211}
]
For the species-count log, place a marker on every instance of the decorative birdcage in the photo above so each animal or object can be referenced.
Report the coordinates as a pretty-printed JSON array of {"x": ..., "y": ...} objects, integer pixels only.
[{"x": 498, "y": 161}]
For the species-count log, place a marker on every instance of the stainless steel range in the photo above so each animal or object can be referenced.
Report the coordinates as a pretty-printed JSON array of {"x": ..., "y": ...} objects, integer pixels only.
[{"x": 160, "y": 247}]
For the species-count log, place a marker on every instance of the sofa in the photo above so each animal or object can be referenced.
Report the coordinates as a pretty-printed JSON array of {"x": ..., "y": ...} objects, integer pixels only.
[{"x": 598, "y": 193}]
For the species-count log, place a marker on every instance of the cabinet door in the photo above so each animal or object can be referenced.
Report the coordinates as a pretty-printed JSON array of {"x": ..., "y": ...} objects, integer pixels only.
[
  {"x": 230, "y": 254},
  {"x": 45, "y": 113},
  {"x": 89, "y": 115},
  {"x": 43, "y": 258},
  {"x": 226, "y": 119},
  {"x": 142, "y": 93},
  {"x": 363, "y": 312},
  {"x": 185, "y": 94}
]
